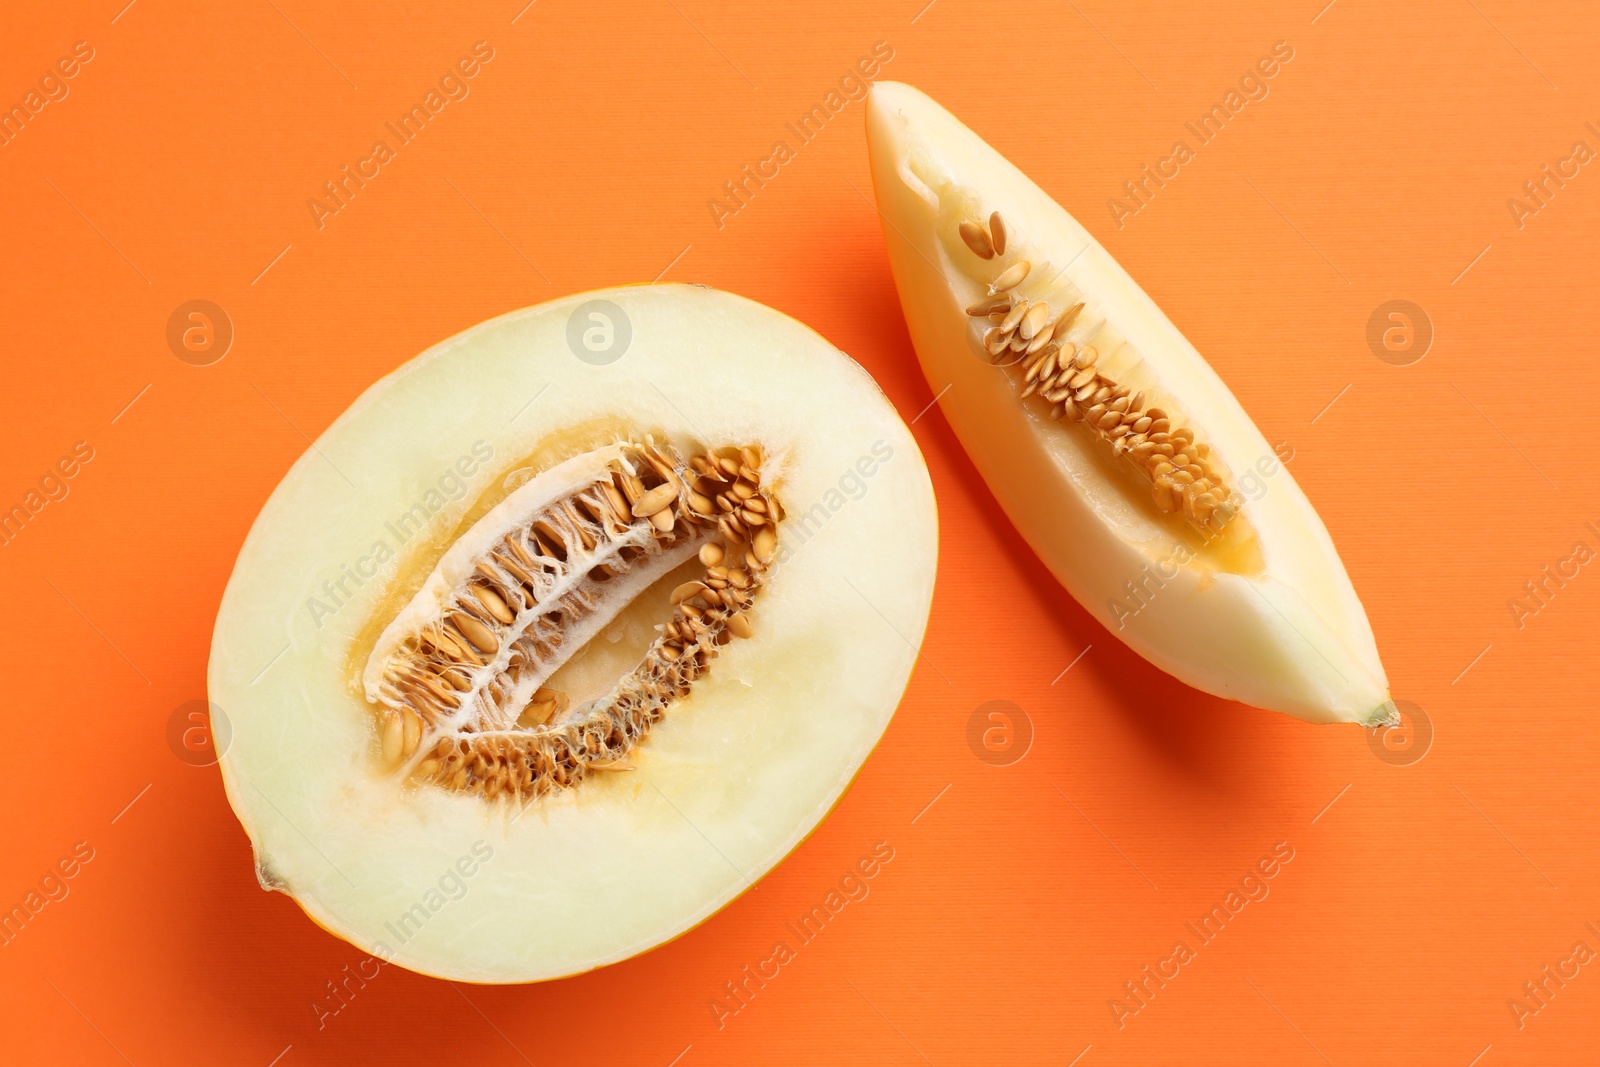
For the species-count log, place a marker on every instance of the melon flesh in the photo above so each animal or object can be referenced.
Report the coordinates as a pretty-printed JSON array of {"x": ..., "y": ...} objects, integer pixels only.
[
  {"x": 1263, "y": 613},
  {"x": 721, "y": 789}
]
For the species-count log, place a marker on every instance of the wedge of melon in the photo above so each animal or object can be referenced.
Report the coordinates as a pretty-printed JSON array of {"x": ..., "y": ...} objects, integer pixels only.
[
  {"x": 537, "y": 659},
  {"x": 1111, "y": 444}
]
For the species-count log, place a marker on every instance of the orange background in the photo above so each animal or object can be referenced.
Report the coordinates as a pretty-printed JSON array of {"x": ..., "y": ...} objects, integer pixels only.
[{"x": 1422, "y": 894}]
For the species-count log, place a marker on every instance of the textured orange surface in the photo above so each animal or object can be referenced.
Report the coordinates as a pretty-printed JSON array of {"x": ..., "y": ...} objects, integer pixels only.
[{"x": 177, "y": 163}]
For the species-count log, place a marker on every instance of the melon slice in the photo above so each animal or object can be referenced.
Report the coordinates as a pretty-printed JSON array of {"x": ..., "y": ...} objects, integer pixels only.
[
  {"x": 536, "y": 660},
  {"x": 1111, "y": 444}
]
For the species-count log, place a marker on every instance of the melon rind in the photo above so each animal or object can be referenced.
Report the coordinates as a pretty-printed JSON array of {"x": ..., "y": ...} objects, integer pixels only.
[{"x": 725, "y": 786}]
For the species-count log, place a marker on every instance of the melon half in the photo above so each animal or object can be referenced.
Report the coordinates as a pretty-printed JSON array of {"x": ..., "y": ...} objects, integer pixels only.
[
  {"x": 569, "y": 630},
  {"x": 1112, "y": 445}
]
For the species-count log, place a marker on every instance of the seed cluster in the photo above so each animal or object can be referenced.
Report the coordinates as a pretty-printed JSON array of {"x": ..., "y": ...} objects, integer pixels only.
[
  {"x": 726, "y": 489},
  {"x": 463, "y": 701},
  {"x": 1185, "y": 476}
]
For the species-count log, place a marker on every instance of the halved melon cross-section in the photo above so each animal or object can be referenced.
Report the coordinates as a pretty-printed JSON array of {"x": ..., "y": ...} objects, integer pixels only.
[
  {"x": 461, "y": 673},
  {"x": 535, "y": 661}
]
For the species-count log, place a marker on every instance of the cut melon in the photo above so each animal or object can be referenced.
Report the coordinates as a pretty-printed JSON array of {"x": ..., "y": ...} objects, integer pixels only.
[
  {"x": 536, "y": 660},
  {"x": 1111, "y": 444}
]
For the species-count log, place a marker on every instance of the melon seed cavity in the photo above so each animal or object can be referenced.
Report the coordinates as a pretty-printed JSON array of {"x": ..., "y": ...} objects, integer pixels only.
[
  {"x": 1030, "y": 339},
  {"x": 458, "y": 680}
]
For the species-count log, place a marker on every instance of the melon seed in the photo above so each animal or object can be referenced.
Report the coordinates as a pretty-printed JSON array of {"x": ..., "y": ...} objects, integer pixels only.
[
  {"x": 493, "y": 603},
  {"x": 654, "y": 500},
  {"x": 1011, "y": 277},
  {"x": 1034, "y": 320},
  {"x": 977, "y": 240},
  {"x": 475, "y": 632},
  {"x": 394, "y": 735}
]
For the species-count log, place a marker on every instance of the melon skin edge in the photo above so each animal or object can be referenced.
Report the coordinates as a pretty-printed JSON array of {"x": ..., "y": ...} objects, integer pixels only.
[
  {"x": 1294, "y": 638},
  {"x": 556, "y": 899}
]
